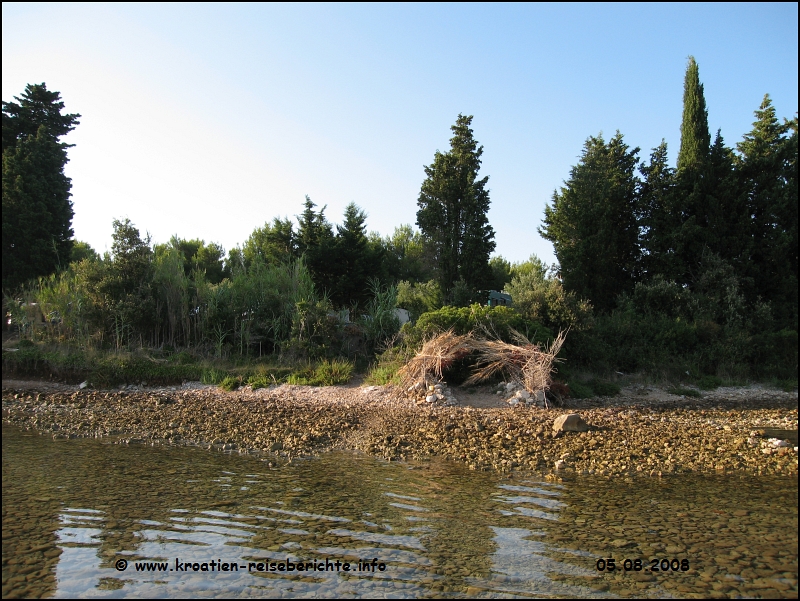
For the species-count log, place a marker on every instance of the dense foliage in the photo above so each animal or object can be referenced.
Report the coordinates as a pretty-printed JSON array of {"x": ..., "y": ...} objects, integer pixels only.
[
  {"x": 686, "y": 270},
  {"x": 694, "y": 266},
  {"x": 37, "y": 211}
]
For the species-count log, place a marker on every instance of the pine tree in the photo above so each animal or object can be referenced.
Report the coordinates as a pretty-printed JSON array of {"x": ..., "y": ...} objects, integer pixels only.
[
  {"x": 453, "y": 206},
  {"x": 767, "y": 170},
  {"x": 695, "y": 139},
  {"x": 315, "y": 242},
  {"x": 353, "y": 265},
  {"x": 592, "y": 223},
  {"x": 658, "y": 216},
  {"x": 37, "y": 211}
]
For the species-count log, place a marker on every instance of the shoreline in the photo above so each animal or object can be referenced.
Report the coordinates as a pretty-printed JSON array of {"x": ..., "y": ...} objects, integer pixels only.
[{"x": 630, "y": 436}]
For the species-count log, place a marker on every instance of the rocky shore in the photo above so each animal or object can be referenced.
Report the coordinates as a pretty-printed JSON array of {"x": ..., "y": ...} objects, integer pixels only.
[{"x": 745, "y": 431}]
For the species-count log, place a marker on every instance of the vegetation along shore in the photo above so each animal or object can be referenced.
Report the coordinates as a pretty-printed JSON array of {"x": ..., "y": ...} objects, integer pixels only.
[{"x": 685, "y": 275}]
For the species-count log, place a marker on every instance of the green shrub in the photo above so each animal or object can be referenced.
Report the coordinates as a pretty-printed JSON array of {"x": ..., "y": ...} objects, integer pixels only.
[
  {"x": 682, "y": 391},
  {"x": 479, "y": 319},
  {"x": 603, "y": 387},
  {"x": 335, "y": 371},
  {"x": 326, "y": 373},
  {"x": 580, "y": 391},
  {"x": 382, "y": 374},
  {"x": 709, "y": 383},
  {"x": 230, "y": 383},
  {"x": 213, "y": 376}
]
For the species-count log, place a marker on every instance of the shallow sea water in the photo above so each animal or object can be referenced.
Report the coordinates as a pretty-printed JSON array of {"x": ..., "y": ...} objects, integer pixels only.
[{"x": 74, "y": 509}]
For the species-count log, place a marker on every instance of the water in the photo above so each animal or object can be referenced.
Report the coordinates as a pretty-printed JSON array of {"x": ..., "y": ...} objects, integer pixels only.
[{"x": 72, "y": 509}]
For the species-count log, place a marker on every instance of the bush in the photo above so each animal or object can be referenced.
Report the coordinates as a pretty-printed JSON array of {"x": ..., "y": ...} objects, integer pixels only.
[
  {"x": 709, "y": 383},
  {"x": 382, "y": 374},
  {"x": 336, "y": 371},
  {"x": 580, "y": 391},
  {"x": 326, "y": 373},
  {"x": 230, "y": 383},
  {"x": 682, "y": 391},
  {"x": 603, "y": 387},
  {"x": 479, "y": 319}
]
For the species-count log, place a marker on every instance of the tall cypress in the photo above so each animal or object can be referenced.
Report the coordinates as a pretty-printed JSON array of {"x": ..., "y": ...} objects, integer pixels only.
[{"x": 695, "y": 139}]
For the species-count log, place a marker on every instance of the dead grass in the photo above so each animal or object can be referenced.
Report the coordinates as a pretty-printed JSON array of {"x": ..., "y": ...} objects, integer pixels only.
[
  {"x": 523, "y": 363},
  {"x": 436, "y": 355}
]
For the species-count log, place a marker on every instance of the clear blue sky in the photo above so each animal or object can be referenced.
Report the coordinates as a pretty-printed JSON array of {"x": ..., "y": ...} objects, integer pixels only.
[{"x": 205, "y": 121}]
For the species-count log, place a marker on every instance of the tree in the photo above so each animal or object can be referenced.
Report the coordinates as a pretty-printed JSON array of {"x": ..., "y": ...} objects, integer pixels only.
[
  {"x": 352, "y": 259},
  {"x": 37, "y": 211},
  {"x": 453, "y": 206},
  {"x": 275, "y": 243},
  {"x": 82, "y": 251},
  {"x": 592, "y": 222},
  {"x": 695, "y": 139},
  {"x": 315, "y": 242},
  {"x": 403, "y": 255},
  {"x": 658, "y": 215},
  {"x": 197, "y": 255},
  {"x": 126, "y": 286},
  {"x": 767, "y": 170},
  {"x": 502, "y": 270}
]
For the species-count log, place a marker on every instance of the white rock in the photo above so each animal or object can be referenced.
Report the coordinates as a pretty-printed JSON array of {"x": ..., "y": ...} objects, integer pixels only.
[
  {"x": 510, "y": 386},
  {"x": 523, "y": 394},
  {"x": 83, "y": 385},
  {"x": 430, "y": 398},
  {"x": 778, "y": 443},
  {"x": 513, "y": 401}
]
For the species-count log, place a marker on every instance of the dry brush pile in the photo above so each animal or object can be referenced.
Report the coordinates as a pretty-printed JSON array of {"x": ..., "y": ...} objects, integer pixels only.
[{"x": 524, "y": 363}]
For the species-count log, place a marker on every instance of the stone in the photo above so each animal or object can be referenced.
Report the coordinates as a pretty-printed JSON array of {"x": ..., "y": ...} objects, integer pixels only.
[
  {"x": 430, "y": 398},
  {"x": 83, "y": 384},
  {"x": 523, "y": 394},
  {"x": 778, "y": 443},
  {"x": 571, "y": 422}
]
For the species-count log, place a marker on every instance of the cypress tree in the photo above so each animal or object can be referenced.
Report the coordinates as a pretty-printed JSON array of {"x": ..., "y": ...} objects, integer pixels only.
[
  {"x": 37, "y": 210},
  {"x": 592, "y": 222},
  {"x": 453, "y": 206},
  {"x": 695, "y": 139}
]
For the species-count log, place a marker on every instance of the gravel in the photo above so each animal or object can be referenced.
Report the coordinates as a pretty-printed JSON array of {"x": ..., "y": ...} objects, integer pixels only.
[{"x": 643, "y": 432}]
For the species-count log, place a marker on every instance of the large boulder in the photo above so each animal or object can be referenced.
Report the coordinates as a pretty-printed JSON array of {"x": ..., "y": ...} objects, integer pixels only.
[{"x": 570, "y": 422}]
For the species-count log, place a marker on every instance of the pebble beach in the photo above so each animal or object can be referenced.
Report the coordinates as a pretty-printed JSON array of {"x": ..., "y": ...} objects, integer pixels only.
[{"x": 749, "y": 431}]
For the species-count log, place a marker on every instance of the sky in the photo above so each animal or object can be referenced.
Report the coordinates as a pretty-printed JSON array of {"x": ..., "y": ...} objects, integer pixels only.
[{"x": 208, "y": 120}]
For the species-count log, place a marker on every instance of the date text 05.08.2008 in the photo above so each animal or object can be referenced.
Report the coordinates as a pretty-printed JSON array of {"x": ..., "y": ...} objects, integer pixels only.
[{"x": 639, "y": 565}]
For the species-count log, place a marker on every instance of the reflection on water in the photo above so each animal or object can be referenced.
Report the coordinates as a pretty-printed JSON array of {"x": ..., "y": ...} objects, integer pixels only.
[{"x": 72, "y": 509}]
